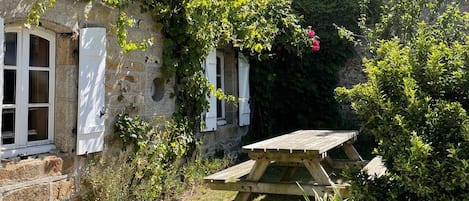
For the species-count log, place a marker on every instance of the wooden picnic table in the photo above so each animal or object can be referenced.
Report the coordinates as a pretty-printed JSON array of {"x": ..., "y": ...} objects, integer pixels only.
[{"x": 304, "y": 148}]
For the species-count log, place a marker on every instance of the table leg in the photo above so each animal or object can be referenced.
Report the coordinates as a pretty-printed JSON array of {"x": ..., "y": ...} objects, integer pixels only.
[
  {"x": 317, "y": 172},
  {"x": 351, "y": 152},
  {"x": 289, "y": 173},
  {"x": 254, "y": 175}
]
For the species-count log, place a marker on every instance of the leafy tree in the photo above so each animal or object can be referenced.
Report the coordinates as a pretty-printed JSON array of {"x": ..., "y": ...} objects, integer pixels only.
[{"x": 415, "y": 102}]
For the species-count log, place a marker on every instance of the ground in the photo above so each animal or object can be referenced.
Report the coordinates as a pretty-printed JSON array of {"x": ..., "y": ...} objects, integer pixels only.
[{"x": 202, "y": 193}]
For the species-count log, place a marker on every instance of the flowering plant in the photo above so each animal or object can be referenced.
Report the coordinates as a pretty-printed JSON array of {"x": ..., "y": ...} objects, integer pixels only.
[{"x": 315, "y": 43}]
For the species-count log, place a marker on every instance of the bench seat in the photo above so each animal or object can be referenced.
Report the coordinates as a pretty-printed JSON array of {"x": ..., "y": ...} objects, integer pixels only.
[
  {"x": 375, "y": 168},
  {"x": 231, "y": 174}
]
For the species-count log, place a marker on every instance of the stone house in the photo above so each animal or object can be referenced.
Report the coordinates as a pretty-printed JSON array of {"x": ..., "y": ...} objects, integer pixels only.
[{"x": 63, "y": 82}]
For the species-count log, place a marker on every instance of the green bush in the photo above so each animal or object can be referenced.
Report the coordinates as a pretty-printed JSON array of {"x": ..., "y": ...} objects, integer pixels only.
[{"x": 415, "y": 103}]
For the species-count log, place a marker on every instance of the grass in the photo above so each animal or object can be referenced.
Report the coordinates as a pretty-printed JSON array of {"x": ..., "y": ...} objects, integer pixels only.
[{"x": 202, "y": 193}]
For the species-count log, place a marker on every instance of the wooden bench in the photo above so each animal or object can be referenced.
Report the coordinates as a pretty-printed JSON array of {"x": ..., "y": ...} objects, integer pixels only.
[
  {"x": 231, "y": 174},
  {"x": 375, "y": 168},
  {"x": 232, "y": 178}
]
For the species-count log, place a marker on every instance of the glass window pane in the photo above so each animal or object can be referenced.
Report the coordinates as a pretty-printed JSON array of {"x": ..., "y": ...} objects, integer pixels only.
[
  {"x": 38, "y": 87},
  {"x": 9, "y": 87},
  {"x": 39, "y": 51},
  {"x": 219, "y": 109},
  {"x": 10, "y": 49},
  {"x": 8, "y": 126},
  {"x": 38, "y": 123},
  {"x": 219, "y": 85}
]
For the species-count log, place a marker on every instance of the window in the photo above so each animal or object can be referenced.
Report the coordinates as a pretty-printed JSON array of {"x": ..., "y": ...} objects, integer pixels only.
[
  {"x": 228, "y": 70},
  {"x": 28, "y": 91},
  {"x": 220, "y": 85}
]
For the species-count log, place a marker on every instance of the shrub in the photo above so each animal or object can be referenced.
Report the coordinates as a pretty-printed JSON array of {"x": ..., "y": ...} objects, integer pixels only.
[{"x": 415, "y": 103}]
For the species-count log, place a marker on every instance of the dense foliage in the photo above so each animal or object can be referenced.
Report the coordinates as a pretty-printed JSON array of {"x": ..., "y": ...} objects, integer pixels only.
[
  {"x": 415, "y": 102},
  {"x": 296, "y": 92}
]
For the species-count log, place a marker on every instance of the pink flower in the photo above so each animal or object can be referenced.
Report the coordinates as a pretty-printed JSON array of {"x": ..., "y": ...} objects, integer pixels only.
[
  {"x": 316, "y": 45},
  {"x": 316, "y": 48},
  {"x": 311, "y": 33}
]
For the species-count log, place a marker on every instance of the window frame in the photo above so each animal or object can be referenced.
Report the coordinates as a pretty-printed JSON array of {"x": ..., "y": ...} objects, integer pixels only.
[
  {"x": 21, "y": 145},
  {"x": 221, "y": 120}
]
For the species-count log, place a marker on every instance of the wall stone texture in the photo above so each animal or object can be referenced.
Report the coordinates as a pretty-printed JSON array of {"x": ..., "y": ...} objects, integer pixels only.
[{"x": 31, "y": 193}]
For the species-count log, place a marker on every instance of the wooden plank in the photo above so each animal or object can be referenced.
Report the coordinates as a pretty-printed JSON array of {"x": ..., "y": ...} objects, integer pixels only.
[
  {"x": 231, "y": 174},
  {"x": 375, "y": 167},
  {"x": 284, "y": 157},
  {"x": 278, "y": 188},
  {"x": 315, "y": 141}
]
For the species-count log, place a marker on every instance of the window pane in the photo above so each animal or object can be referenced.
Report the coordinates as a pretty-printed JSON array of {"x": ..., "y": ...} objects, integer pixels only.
[
  {"x": 10, "y": 49},
  {"x": 219, "y": 85},
  {"x": 38, "y": 123},
  {"x": 9, "y": 87},
  {"x": 38, "y": 87},
  {"x": 39, "y": 51},
  {"x": 219, "y": 109},
  {"x": 8, "y": 126}
]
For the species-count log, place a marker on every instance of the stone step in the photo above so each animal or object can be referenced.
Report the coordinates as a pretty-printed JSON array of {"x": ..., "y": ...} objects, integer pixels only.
[{"x": 30, "y": 169}]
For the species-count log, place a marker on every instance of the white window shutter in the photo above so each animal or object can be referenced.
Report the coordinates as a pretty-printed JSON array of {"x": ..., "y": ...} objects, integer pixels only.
[
  {"x": 243, "y": 82},
  {"x": 92, "y": 65},
  {"x": 2, "y": 55},
  {"x": 210, "y": 66}
]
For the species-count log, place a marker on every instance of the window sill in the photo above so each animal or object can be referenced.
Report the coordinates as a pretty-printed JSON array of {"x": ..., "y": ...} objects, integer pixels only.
[
  {"x": 221, "y": 122},
  {"x": 25, "y": 151}
]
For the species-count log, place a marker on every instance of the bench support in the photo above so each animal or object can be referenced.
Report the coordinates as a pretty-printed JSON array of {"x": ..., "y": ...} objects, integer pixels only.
[
  {"x": 278, "y": 188},
  {"x": 255, "y": 175}
]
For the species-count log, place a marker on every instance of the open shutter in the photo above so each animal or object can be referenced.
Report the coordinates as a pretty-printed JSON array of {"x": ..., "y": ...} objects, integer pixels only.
[
  {"x": 243, "y": 82},
  {"x": 210, "y": 66},
  {"x": 92, "y": 64},
  {"x": 2, "y": 55}
]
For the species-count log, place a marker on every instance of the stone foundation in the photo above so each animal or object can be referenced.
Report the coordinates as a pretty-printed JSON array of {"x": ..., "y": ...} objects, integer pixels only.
[
  {"x": 35, "y": 179},
  {"x": 227, "y": 140}
]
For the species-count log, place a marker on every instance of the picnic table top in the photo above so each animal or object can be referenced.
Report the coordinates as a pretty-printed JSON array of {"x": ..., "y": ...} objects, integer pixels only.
[{"x": 305, "y": 141}]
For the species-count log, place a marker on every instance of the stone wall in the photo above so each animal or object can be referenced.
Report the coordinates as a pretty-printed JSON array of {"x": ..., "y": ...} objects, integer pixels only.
[
  {"x": 35, "y": 179},
  {"x": 349, "y": 75},
  {"x": 133, "y": 81}
]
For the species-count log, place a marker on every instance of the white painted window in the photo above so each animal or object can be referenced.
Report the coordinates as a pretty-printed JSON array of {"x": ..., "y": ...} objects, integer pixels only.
[
  {"x": 27, "y": 125},
  {"x": 220, "y": 70},
  {"x": 219, "y": 75}
]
